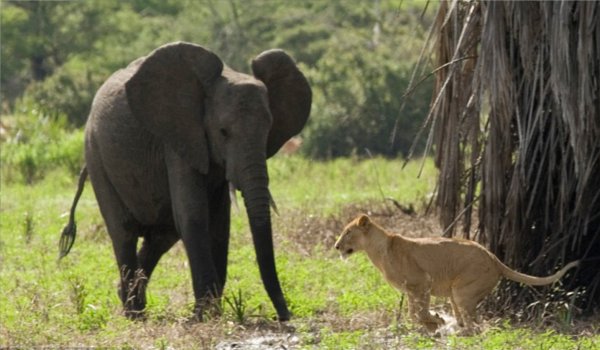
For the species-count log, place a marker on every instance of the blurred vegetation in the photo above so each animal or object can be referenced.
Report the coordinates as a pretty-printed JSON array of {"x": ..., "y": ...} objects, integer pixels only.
[
  {"x": 41, "y": 144},
  {"x": 358, "y": 56}
]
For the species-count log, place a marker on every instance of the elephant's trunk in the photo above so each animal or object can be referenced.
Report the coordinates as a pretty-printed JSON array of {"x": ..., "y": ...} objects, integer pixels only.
[{"x": 257, "y": 198}]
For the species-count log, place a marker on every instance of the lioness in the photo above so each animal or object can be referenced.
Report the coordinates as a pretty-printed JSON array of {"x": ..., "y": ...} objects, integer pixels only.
[{"x": 460, "y": 269}]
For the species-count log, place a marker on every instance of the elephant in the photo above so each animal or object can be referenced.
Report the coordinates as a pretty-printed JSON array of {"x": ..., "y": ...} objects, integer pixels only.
[{"x": 165, "y": 139}]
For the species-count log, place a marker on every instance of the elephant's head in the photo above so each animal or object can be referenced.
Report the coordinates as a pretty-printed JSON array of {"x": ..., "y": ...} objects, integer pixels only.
[{"x": 213, "y": 116}]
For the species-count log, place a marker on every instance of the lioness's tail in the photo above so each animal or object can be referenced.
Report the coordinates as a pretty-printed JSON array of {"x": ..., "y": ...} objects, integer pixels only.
[
  {"x": 67, "y": 238},
  {"x": 532, "y": 280}
]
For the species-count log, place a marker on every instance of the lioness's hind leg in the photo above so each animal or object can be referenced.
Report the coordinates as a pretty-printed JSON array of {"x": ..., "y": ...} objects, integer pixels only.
[
  {"x": 468, "y": 295},
  {"x": 467, "y": 311},
  {"x": 457, "y": 314},
  {"x": 420, "y": 308},
  {"x": 412, "y": 309},
  {"x": 466, "y": 302}
]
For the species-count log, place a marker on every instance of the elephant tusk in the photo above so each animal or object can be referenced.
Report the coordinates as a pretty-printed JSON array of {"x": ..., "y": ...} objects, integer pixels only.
[
  {"x": 273, "y": 204},
  {"x": 233, "y": 197}
]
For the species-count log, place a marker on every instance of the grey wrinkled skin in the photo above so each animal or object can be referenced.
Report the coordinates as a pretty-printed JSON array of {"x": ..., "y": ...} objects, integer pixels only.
[{"x": 164, "y": 139}]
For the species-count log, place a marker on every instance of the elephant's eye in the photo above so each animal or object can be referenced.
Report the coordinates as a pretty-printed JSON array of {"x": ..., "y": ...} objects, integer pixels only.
[{"x": 224, "y": 132}]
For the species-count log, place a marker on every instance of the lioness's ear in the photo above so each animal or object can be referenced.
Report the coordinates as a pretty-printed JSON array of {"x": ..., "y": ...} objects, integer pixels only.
[{"x": 363, "y": 220}]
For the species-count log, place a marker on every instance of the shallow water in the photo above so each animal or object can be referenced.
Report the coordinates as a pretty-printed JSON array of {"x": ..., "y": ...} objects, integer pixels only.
[{"x": 266, "y": 342}]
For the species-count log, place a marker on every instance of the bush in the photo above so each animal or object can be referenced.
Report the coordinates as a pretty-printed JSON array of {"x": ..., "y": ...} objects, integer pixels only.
[
  {"x": 69, "y": 91},
  {"x": 38, "y": 143},
  {"x": 358, "y": 105}
]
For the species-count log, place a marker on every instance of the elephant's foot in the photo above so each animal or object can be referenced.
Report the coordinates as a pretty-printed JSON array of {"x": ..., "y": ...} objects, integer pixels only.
[
  {"x": 207, "y": 308},
  {"x": 135, "y": 315},
  {"x": 284, "y": 315},
  {"x": 132, "y": 292},
  {"x": 134, "y": 308}
]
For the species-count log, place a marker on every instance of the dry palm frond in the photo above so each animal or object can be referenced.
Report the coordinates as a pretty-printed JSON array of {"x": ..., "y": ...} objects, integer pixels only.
[{"x": 515, "y": 124}]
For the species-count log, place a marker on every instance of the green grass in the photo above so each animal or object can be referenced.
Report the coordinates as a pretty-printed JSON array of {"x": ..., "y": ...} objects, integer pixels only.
[
  {"x": 336, "y": 304},
  {"x": 323, "y": 187}
]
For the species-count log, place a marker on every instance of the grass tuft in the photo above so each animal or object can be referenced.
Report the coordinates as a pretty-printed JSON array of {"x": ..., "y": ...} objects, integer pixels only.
[
  {"x": 238, "y": 305},
  {"x": 28, "y": 227}
]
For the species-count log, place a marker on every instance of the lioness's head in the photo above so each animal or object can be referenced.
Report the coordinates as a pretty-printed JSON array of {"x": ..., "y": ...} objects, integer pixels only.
[{"x": 353, "y": 236}]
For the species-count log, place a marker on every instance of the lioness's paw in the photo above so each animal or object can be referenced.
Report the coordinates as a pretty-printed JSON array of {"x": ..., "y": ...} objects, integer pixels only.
[{"x": 469, "y": 331}]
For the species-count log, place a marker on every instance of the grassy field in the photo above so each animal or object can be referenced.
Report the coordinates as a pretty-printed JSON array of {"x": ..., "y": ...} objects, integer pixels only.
[{"x": 336, "y": 304}]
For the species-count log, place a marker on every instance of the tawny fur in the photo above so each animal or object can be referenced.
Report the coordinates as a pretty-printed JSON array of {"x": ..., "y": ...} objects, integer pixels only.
[{"x": 459, "y": 269}]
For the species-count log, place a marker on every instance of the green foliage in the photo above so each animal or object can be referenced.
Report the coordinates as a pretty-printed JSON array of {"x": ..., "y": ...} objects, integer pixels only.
[
  {"x": 357, "y": 55},
  {"x": 40, "y": 36},
  {"x": 341, "y": 340},
  {"x": 359, "y": 80},
  {"x": 161, "y": 344},
  {"x": 38, "y": 144},
  {"x": 69, "y": 91},
  {"x": 358, "y": 106},
  {"x": 59, "y": 52},
  {"x": 78, "y": 293}
]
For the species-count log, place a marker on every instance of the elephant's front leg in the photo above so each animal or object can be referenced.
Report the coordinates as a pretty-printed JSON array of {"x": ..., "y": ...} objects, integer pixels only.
[
  {"x": 219, "y": 226},
  {"x": 190, "y": 202},
  {"x": 206, "y": 283},
  {"x": 197, "y": 241}
]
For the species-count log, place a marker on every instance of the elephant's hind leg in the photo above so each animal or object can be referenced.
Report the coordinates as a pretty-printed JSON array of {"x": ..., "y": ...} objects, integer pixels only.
[
  {"x": 157, "y": 242},
  {"x": 133, "y": 280},
  {"x": 122, "y": 228}
]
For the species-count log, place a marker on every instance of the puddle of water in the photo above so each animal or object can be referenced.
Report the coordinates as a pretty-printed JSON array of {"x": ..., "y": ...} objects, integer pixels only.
[
  {"x": 450, "y": 326},
  {"x": 267, "y": 342}
]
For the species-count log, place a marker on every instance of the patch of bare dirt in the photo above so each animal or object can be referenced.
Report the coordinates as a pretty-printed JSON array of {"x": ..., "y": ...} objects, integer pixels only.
[{"x": 309, "y": 231}]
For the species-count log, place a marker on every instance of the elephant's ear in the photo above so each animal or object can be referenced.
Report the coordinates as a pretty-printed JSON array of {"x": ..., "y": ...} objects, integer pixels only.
[
  {"x": 290, "y": 96},
  {"x": 166, "y": 95}
]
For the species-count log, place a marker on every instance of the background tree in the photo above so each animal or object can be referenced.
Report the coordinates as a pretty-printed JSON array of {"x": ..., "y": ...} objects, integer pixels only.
[{"x": 358, "y": 55}]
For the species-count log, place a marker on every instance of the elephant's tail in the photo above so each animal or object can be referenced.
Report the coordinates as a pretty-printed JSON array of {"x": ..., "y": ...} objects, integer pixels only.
[{"x": 67, "y": 238}]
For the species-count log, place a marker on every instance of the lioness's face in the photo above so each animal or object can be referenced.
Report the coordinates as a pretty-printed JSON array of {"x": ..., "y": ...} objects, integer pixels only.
[{"x": 353, "y": 235}]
